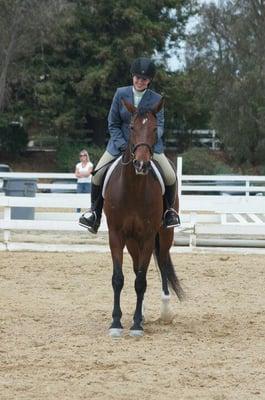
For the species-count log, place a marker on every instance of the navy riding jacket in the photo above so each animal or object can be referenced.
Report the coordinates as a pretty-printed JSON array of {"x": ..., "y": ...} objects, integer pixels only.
[{"x": 119, "y": 119}]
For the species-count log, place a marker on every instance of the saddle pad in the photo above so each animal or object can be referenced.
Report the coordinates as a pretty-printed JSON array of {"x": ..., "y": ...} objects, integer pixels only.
[
  {"x": 113, "y": 166},
  {"x": 108, "y": 174},
  {"x": 159, "y": 177}
]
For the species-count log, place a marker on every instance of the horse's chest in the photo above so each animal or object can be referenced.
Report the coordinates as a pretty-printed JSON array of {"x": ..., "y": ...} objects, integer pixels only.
[{"x": 137, "y": 228}]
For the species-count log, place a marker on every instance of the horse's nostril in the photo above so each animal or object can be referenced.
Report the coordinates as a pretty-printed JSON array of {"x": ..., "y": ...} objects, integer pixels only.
[
  {"x": 147, "y": 166},
  {"x": 142, "y": 167},
  {"x": 136, "y": 164}
]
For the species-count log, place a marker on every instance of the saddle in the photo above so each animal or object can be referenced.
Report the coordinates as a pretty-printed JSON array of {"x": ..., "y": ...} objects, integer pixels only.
[{"x": 155, "y": 171}]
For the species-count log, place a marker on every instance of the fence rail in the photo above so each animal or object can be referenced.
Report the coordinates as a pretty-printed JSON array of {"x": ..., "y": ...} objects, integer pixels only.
[{"x": 240, "y": 215}]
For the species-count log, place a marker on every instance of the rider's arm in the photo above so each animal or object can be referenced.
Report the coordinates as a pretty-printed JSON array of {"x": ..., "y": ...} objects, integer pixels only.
[
  {"x": 77, "y": 173},
  {"x": 160, "y": 123},
  {"x": 115, "y": 123}
]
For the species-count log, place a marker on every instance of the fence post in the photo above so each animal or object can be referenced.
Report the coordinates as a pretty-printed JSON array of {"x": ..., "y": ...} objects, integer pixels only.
[
  {"x": 7, "y": 217},
  {"x": 213, "y": 140},
  {"x": 179, "y": 175},
  {"x": 247, "y": 187}
]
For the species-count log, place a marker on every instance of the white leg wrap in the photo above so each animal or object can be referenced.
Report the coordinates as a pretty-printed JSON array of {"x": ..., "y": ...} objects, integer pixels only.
[
  {"x": 136, "y": 333},
  {"x": 166, "y": 314},
  {"x": 115, "y": 332}
]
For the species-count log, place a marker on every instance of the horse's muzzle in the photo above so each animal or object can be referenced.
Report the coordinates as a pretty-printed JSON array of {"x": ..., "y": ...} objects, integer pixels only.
[{"x": 141, "y": 167}]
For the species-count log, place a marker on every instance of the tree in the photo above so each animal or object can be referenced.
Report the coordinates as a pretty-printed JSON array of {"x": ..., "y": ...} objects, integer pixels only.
[
  {"x": 91, "y": 55},
  {"x": 22, "y": 25},
  {"x": 227, "y": 54}
]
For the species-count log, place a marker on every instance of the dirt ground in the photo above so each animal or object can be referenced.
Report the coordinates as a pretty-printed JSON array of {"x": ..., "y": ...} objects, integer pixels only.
[{"x": 56, "y": 309}]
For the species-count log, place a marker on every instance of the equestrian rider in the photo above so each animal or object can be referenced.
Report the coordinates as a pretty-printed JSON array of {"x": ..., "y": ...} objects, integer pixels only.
[{"x": 143, "y": 71}]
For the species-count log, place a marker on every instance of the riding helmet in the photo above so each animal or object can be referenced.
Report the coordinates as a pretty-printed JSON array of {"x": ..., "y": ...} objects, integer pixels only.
[{"x": 144, "y": 67}]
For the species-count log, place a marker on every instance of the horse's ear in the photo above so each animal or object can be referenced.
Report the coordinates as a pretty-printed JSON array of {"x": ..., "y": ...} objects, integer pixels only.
[
  {"x": 157, "y": 107},
  {"x": 129, "y": 106}
]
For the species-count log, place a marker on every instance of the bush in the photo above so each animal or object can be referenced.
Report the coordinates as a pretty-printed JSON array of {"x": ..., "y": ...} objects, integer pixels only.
[
  {"x": 13, "y": 138},
  {"x": 262, "y": 169},
  {"x": 67, "y": 155},
  {"x": 201, "y": 161}
]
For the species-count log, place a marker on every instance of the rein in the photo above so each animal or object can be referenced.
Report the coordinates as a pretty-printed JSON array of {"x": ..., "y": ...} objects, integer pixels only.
[{"x": 103, "y": 166}]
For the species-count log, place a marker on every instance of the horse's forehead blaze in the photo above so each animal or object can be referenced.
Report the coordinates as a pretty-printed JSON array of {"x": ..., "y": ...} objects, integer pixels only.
[{"x": 143, "y": 122}]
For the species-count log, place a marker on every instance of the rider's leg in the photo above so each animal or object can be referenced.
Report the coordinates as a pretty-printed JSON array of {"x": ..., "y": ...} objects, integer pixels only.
[
  {"x": 91, "y": 219},
  {"x": 171, "y": 217}
]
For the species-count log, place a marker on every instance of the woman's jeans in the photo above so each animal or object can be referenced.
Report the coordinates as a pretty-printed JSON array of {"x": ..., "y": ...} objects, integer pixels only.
[{"x": 84, "y": 187}]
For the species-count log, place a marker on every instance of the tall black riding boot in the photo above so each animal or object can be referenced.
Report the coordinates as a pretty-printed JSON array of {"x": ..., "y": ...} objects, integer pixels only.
[
  {"x": 92, "y": 221},
  {"x": 171, "y": 217}
]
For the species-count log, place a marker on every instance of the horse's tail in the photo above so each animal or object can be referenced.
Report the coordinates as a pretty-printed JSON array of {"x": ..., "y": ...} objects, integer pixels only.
[{"x": 168, "y": 269}]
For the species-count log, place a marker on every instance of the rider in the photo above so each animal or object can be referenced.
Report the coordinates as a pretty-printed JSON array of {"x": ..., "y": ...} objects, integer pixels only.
[{"x": 143, "y": 71}]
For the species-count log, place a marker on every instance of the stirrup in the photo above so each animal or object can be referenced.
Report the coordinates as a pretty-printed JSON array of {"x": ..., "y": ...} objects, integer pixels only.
[
  {"x": 91, "y": 223},
  {"x": 171, "y": 218}
]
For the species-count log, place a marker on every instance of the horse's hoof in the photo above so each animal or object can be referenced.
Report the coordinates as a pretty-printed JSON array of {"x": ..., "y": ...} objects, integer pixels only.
[
  {"x": 115, "y": 332},
  {"x": 136, "y": 332},
  {"x": 167, "y": 318}
]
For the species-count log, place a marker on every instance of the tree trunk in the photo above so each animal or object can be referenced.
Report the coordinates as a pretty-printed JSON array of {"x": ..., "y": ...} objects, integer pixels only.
[
  {"x": 99, "y": 130},
  {"x": 4, "y": 72}
]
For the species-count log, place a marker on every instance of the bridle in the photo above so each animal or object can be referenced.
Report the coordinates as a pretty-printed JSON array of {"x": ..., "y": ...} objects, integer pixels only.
[{"x": 134, "y": 147}]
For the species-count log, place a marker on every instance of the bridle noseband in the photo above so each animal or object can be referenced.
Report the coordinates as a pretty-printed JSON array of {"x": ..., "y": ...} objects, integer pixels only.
[{"x": 134, "y": 147}]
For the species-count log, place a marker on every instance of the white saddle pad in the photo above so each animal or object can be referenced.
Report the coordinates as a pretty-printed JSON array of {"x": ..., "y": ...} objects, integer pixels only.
[{"x": 113, "y": 166}]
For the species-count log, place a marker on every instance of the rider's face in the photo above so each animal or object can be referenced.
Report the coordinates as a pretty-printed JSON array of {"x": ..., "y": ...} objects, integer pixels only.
[{"x": 140, "y": 83}]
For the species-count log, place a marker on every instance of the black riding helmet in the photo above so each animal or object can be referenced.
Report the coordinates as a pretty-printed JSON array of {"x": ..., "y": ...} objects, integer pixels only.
[{"x": 143, "y": 67}]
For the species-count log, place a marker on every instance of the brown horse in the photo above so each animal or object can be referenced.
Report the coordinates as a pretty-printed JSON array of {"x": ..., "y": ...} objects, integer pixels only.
[{"x": 134, "y": 210}]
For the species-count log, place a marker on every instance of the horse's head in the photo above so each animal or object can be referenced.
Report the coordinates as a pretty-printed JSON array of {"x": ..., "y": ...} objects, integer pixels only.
[{"x": 143, "y": 135}]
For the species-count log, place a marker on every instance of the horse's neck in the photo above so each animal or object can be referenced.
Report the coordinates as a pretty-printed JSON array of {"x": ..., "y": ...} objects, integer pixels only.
[
  {"x": 131, "y": 182},
  {"x": 128, "y": 173}
]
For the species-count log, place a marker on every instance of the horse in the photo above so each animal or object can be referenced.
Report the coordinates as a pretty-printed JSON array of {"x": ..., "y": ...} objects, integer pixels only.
[{"x": 134, "y": 208}]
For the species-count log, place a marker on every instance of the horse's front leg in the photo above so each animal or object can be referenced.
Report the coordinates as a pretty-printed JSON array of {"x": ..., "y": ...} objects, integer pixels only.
[
  {"x": 116, "y": 246},
  {"x": 140, "y": 288}
]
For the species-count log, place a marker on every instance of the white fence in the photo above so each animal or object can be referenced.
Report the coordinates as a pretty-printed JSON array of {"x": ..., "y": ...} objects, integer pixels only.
[
  {"x": 201, "y": 137},
  {"x": 231, "y": 213}
]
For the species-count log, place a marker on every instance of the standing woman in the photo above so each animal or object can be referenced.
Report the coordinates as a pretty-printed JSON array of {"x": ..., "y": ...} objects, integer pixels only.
[
  {"x": 142, "y": 72},
  {"x": 83, "y": 171}
]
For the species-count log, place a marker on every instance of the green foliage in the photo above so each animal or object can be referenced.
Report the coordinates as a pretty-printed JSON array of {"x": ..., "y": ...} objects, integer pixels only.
[
  {"x": 67, "y": 155},
  {"x": 201, "y": 161},
  {"x": 239, "y": 119},
  {"x": 23, "y": 25},
  {"x": 226, "y": 59},
  {"x": 13, "y": 138},
  {"x": 262, "y": 169},
  {"x": 184, "y": 111},
  {"x": 70, "y": 80}
]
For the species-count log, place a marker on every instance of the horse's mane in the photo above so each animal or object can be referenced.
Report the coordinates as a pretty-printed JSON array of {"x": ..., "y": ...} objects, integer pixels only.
[{"x": 142, "y": 111}]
